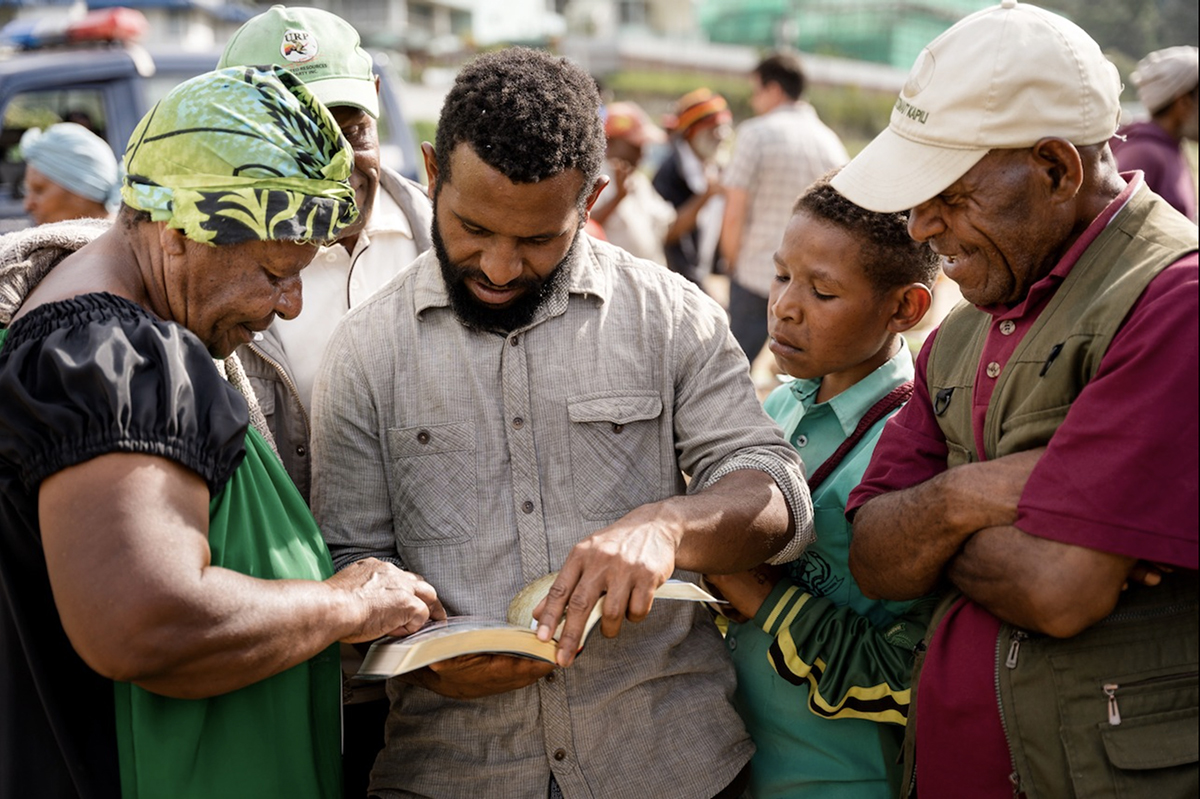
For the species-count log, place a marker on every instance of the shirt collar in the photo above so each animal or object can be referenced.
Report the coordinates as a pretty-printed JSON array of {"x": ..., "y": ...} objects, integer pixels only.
[
  {"x": 386, "y": 217},
  {"x": 852, "y": 405},
  {"x": 1047, "y": 285}
]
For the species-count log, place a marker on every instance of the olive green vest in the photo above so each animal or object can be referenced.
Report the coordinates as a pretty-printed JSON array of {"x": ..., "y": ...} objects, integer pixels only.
[{"x": 1113, "y": 711}]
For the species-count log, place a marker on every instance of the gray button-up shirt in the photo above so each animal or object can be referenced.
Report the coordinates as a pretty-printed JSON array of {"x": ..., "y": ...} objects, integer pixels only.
[{"x": 479, "y": 460}]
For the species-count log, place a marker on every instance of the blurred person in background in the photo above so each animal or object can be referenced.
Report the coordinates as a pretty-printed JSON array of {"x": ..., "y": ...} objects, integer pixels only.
[
  {"x": 688, "y": 179},
  {"x": 1168, "y": 87},
  {"x": 70, "y": 173},
  {"x": 634, "y": 217},
  {"x": 168, "y": 610},
  {"x": 776, "y": 155}
]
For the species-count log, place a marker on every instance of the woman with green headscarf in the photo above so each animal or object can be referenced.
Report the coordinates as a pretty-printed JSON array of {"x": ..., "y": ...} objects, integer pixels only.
[{"x": 168, "y": 611}]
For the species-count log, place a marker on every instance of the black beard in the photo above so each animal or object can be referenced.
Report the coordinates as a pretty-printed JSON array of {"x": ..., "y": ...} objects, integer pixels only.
[{"x": 471, "y": 312}]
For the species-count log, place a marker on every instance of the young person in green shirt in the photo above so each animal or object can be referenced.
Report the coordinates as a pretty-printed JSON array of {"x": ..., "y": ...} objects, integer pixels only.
[{"x": 823, "y": 671}]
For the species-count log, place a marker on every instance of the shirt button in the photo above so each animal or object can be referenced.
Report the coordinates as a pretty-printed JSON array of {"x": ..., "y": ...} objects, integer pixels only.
[
  {"x": 732, "y": 643},
  {"x": 801, "y": 440},
  {"x": 560, "y": 754},
  {"x": 551, "y": 677},
  {"x": 1007, "y": 327},
  {"x": 618, "y": 428},
  {"x": 527, "y": 506},
  {"x": 518, "y": 422},
  {"x": 514, "y": 341},
  {"x": 423, "y": 437},
  {"x": 301, "y": 450},
  {"x": 993, "y": 370}
]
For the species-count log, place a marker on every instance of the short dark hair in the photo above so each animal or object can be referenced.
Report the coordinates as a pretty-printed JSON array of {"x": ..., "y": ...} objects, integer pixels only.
[
  {"x": 785, "y": 70},
  {"x": 527, "y": 114},
  {"x": 890, "y": 257}
]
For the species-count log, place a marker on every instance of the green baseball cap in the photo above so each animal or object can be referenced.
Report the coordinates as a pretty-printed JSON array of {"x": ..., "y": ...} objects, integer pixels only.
[{"x": 319, "y": 48}]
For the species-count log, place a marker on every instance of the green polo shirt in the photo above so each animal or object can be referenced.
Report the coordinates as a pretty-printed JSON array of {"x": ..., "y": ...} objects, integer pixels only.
[{"x": 823, "y": 672}]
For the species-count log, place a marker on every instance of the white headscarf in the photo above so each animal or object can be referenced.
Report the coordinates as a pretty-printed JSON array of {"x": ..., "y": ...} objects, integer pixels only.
[
  {"x": 1164, "y": 75},
  {"x": 76, "y": 159}
]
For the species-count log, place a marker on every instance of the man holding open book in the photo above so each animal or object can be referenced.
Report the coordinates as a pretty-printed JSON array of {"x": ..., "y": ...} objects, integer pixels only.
[{"x": 526, "y": 399}]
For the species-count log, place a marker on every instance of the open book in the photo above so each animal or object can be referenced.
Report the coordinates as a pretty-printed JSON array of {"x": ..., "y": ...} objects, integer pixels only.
[{"x": 466, "y": 635}]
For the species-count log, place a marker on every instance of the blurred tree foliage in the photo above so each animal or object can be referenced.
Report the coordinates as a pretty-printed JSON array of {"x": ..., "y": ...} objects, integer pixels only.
[{"x": 1133, "y": 28}]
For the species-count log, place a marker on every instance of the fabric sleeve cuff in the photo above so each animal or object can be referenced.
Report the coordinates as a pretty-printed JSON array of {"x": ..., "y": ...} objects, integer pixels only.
[{"x": 795, "y": 493}]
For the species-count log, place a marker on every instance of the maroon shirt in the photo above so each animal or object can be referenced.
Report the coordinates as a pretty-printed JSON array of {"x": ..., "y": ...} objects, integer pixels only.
[
  {"x": 1120, "y": 475},
  {"x": 1149, "y": 148}
]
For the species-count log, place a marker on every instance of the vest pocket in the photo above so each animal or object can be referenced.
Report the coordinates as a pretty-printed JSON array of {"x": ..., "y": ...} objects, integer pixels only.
[
  {"x": 433, "y": 483},
  {"x": 1153, "y": 754},
  {"x": 615, "y": 460}
]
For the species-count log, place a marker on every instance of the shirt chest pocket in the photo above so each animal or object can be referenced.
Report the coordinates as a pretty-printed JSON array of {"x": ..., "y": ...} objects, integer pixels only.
[
  {"x": 615, "y": 453},
  {"x": 433, "y": 483}
]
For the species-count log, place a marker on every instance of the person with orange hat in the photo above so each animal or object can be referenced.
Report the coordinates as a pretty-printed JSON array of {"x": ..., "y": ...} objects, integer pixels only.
[
  {"x": 632, "y": 214},
  {"x": 688, "y": 181}
]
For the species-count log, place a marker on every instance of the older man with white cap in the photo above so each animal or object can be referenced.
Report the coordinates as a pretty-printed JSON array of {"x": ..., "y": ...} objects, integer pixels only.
[
  {"x": 1045, "y": 471},
  {"x": 1169, "y": 88}
]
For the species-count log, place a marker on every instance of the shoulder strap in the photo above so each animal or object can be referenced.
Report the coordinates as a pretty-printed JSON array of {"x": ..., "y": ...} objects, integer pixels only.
[{"x": 894, "y": 399}]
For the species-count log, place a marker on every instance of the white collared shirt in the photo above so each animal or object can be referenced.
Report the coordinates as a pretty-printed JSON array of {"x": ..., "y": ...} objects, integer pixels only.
[{"x": 337, "y": 280}]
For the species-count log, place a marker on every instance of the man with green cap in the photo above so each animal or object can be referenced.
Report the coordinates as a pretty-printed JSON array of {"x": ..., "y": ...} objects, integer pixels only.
[{"x": 323, "y": 51}]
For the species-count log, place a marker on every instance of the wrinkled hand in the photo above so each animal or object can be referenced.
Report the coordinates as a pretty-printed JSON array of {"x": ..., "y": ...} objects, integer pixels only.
[
  {"x": 745, "y": 591},
  {"x": 473, "y": 676},
  {"x": 625, "y": 563},
  {"x": 393, "y": 601}
]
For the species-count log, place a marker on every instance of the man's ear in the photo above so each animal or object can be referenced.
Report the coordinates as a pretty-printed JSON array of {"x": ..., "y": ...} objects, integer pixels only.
[
  {"x": 1061, "y": 165},
  {"x": 597, "y": 187},
  {"x": 912, "y": 303},
  {"x": 172, "y": 241},
  {"x": 431, "y": 170}
]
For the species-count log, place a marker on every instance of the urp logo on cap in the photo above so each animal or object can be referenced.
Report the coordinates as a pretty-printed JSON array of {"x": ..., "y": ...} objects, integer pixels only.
[
  {"x": 318, "y": 47},
  {"x": 298, "y": 46}
]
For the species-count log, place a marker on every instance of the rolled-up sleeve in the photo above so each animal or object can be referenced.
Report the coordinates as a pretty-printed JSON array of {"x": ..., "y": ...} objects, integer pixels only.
[{"x": 720, "y": 426}]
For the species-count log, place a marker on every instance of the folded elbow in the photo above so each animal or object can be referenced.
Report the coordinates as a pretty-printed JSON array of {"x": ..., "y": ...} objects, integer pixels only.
[{"x": 1064, "y": 612}]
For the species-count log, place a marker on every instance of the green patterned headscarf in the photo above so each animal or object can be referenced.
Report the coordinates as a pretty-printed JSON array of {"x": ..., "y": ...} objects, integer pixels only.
[{"x": 242, "y": 154}]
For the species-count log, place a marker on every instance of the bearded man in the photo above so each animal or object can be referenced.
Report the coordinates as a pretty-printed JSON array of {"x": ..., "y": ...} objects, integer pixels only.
[{"x": 526, "y": 399}]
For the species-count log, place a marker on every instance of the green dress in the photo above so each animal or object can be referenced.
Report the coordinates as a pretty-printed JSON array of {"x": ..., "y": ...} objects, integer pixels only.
[{"x": 161, "y": 394}]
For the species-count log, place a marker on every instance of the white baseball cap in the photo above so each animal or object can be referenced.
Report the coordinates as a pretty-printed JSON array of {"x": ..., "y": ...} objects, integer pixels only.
[{"x": 1002, "y": 78}]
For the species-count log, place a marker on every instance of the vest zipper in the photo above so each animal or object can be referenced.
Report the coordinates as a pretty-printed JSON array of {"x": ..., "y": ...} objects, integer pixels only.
[
  {"x": 1014, "y": 648},
  {"x": 1014, "y": 777},
  {"x": 287, "y": 381},
  {"x": 1111, "y": 688}
]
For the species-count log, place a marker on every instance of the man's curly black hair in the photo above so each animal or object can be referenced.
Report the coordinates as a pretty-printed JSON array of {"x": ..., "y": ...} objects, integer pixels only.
[
  {"x": 528, "y": 114},
  {"x": 890, "y": 257}
]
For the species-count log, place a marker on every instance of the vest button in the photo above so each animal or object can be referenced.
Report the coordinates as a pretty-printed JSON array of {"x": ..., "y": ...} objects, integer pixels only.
[
  {"x": 1007, "y": 327},
  {"x": 801, "y": 440},
  {"x": 993, "y": 370},
  {"x": 560, "y": 754}
]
